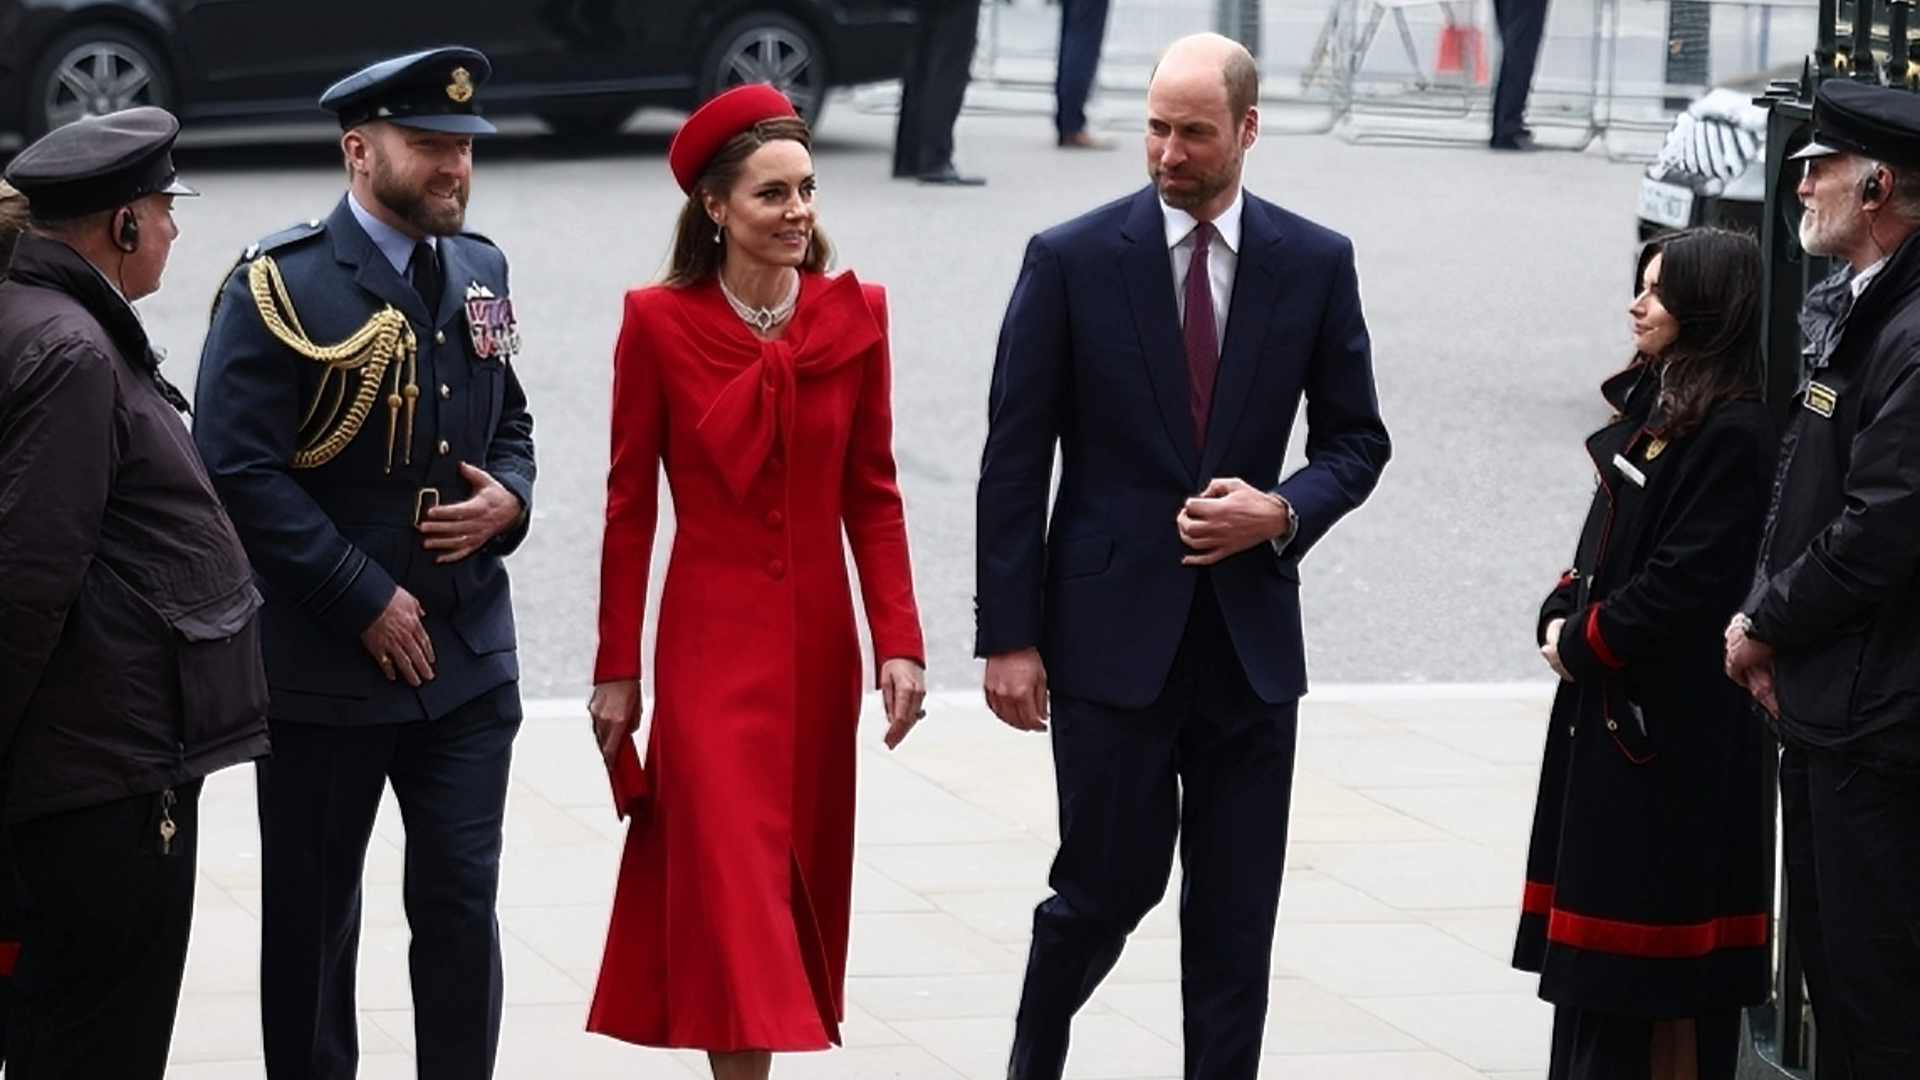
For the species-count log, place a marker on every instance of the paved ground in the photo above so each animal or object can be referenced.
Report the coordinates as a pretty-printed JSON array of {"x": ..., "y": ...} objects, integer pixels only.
[
  {"x": 1409, "y": 832},
  {"x": 1495, "y": 287}
]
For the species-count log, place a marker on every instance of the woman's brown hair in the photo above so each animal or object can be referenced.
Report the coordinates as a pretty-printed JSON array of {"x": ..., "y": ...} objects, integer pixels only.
[
  {"x": 1710, "y": 282},
  {"x": 696, "y": 254}
]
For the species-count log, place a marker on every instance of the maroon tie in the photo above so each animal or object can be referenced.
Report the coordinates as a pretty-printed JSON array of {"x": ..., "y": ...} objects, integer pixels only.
[{"x": 1203, "y": 348}]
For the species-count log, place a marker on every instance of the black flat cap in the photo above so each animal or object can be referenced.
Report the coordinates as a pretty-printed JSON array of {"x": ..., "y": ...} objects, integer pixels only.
[
  {"x": 98, "y": 163},
  {"x": 1861, "y": 118},
  {"x": 431, "y": 90}
]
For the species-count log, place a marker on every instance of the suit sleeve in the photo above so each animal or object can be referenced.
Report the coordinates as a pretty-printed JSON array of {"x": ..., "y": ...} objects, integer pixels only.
[
  {"x": 1026, "y": 412},
  {"x": 247, "y": 413},
  {"x": 874, "y": 514},
  {"x": 1697, "y": 566},
  {"x": 1867, "y": 553},
  {"x": 59, "y": 449},
  {"x": 639, "y": 432},
  {"x": 1347, "y": 443},
  {"x": 510, "y": 455}
]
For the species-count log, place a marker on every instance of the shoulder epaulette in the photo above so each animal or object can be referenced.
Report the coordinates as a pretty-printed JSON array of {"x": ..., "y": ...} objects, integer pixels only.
[
  {"x": 285, "y": 237},
  {"x": 304, "y": 231}
]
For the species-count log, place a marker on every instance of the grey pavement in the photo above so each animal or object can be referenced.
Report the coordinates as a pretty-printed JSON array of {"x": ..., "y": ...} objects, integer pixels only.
[
  {"x": 1495, "y": 287},
  {"x": 1408, "y": 840}
]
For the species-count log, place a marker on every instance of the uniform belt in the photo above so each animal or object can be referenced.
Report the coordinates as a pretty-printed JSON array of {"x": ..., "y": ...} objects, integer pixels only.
[{"x": 366, "y": 506}]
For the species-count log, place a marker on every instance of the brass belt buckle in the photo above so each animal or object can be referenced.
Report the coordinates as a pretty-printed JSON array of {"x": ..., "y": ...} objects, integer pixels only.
[{"x": 424, "y": 500}]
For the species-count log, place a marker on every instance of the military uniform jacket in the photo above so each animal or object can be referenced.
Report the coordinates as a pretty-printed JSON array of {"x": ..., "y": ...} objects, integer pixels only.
[
  {"x": 1839, "y": 597},
  {"x": 129, "y": 634},
  {"x": 331, "y": 536}
]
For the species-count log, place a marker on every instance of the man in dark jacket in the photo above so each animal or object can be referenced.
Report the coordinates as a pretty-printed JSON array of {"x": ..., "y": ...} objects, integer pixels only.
[
  {"x": 129, "y": 643},
  {"x": 359, "y": 415},
  {"x": 1829, "y": 640}
]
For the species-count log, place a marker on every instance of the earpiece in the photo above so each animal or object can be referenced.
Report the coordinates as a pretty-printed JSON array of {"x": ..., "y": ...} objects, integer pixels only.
[{"x": 126, "y": 235}]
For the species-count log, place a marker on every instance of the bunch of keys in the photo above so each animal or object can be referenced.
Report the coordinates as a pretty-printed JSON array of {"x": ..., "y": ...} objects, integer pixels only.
[{"x": 167, "y": 827}]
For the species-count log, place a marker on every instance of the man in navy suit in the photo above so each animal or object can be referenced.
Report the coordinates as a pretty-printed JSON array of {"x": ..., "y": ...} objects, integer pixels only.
[
  {"x": 1162, "y": 344},
  {"x": 361, "y": 420}
]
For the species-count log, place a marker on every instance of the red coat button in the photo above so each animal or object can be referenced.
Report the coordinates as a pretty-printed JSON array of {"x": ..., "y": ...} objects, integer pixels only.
[
  {"x": 774, "y": 519},
  {"x": 776, "y": 569}
]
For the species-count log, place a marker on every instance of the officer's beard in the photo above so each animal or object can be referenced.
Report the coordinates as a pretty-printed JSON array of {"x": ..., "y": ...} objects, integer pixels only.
[{"x": 435, "y": 218}]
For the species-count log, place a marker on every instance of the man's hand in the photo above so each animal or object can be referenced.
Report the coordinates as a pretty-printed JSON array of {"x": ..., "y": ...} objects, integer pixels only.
[
  {"x": 457, "y": 530},
  {"x": 1551, "y": 650},
  {"x": 1750, "y": 663},
  {"x": 1016, "y": 687},
  {"x": 903, "y": 687},
  {"x": 398, "y": 640},
  {"x": 1227, "y": 519},
  {"x": 615, "y": 708}
]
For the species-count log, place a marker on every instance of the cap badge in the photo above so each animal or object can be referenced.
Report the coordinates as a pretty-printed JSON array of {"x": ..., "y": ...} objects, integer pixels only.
[{"x": 461, "y": 89}]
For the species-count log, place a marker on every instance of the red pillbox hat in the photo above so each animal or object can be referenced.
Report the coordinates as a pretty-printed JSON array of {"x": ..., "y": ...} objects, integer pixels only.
[{"x": 720, "y": 119}]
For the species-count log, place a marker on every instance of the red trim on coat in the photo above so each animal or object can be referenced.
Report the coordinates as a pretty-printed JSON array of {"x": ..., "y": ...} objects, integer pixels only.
[
  {"x": 9, "y": 956},
  {"x": 1645, "y": 940},
  {"x": 1599, "y": 644}
]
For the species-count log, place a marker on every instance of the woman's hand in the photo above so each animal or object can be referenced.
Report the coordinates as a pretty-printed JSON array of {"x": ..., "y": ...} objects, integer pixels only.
[
  {"x": 615, "y": 708},
  {"x": 1551, "y": 650},
  {"x": 903, "y": 686}
]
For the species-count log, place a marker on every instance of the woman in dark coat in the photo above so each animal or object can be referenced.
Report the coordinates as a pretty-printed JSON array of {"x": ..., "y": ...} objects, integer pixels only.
[{"x": 1648, "y": 879}]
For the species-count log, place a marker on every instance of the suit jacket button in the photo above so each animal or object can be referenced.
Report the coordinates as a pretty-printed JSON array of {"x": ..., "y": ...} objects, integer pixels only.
[
  {"x": 439, "y": 337},
  {"x": 445, "y": 391},
  {"x": 776, "y": 569},
  {"x": 445, "y": 446}
]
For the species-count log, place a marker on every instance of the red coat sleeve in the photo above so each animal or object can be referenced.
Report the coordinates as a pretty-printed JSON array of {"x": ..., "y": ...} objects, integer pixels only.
[
  {"x": 875, "y": 516},
  {"x": 633, "y": 486}
]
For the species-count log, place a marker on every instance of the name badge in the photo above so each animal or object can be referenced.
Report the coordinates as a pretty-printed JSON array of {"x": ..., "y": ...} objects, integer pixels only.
[
  {"x": 1627, "y": 470},
  {"x": 490, "y": 324},
  {"x": 1820, "y": 399}
]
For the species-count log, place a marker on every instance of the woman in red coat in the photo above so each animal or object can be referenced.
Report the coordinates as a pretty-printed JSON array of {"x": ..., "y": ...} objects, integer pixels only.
[
  {"x": 761, "y": 384},
  {"x": 1647, "y": 894}
]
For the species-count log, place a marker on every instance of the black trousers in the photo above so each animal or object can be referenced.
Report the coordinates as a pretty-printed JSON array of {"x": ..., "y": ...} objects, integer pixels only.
[
  {"x": 1522, "y": 24},
  {"x": 1851, "y": 837},
  {"x": 935, "y": 85},
  {"x": 1083, "y": 25},
  {"x": 1601, "y": 1046},
  {"x": 319, "y": 794},
  {"x": 105, "y": 917},
  {"x": 1209, "y": 767}
]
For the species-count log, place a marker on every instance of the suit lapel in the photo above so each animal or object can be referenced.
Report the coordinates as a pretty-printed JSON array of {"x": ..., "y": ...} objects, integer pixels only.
[
  {"x": 1148, "y": 273},
  {"x": 352, "y": 247},
  {"x": 1256, "y": 291}
]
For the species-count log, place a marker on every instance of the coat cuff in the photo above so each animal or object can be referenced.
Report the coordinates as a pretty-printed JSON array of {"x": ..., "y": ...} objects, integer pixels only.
[{"x": 1584, "y": 650}]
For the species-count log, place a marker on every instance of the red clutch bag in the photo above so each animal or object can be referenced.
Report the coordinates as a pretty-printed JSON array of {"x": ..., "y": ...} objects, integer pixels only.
[{"x": 632, "y": 791}]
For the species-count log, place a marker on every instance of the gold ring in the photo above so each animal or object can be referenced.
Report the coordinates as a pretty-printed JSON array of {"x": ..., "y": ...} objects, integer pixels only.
[{"x": 386, "y": 661}]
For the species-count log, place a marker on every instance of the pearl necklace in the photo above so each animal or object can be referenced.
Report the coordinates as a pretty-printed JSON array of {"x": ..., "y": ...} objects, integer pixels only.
[{"x": 762, "y": 319}]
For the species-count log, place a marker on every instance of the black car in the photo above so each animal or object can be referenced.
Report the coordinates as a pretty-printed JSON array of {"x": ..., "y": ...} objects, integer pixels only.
[{"x": 580, "y": 65}]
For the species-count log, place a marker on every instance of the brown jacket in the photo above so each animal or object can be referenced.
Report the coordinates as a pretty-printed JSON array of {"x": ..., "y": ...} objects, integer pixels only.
[{"x": 129, "y": 644}]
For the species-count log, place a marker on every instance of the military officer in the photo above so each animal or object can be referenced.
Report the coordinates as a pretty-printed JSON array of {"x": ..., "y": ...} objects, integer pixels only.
[{"x": 360, "y": 415}]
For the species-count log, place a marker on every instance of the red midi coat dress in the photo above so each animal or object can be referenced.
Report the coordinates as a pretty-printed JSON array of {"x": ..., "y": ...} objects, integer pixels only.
[{"x": 730, "y": 918}]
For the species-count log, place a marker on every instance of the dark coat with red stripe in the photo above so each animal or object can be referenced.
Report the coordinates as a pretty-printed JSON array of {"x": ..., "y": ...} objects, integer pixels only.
[{"x": 1648, "y": 879}]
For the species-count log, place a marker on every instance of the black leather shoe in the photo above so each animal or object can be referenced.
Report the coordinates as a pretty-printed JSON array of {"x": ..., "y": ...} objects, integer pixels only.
[
  {"x": 949, "y": 176},
  {"x": 1521, "y": 142}
]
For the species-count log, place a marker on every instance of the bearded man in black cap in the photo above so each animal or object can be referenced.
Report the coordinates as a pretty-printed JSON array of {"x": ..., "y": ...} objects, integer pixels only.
[
  {"x": 129, "y": 642},
  {"x": 361, "y": 418},
  {"x": 1829, "y": 640}
]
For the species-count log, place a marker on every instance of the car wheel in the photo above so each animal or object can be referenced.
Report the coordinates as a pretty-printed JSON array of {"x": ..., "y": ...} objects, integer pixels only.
[
  {"x": 94, "y": 70},
  {"x": 766, "y": 46}
]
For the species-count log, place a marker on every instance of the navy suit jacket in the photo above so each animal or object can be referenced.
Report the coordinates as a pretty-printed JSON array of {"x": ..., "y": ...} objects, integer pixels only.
[
  {"x": 1090, "y": 361},
  {"x": 329, "y": 543}
]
